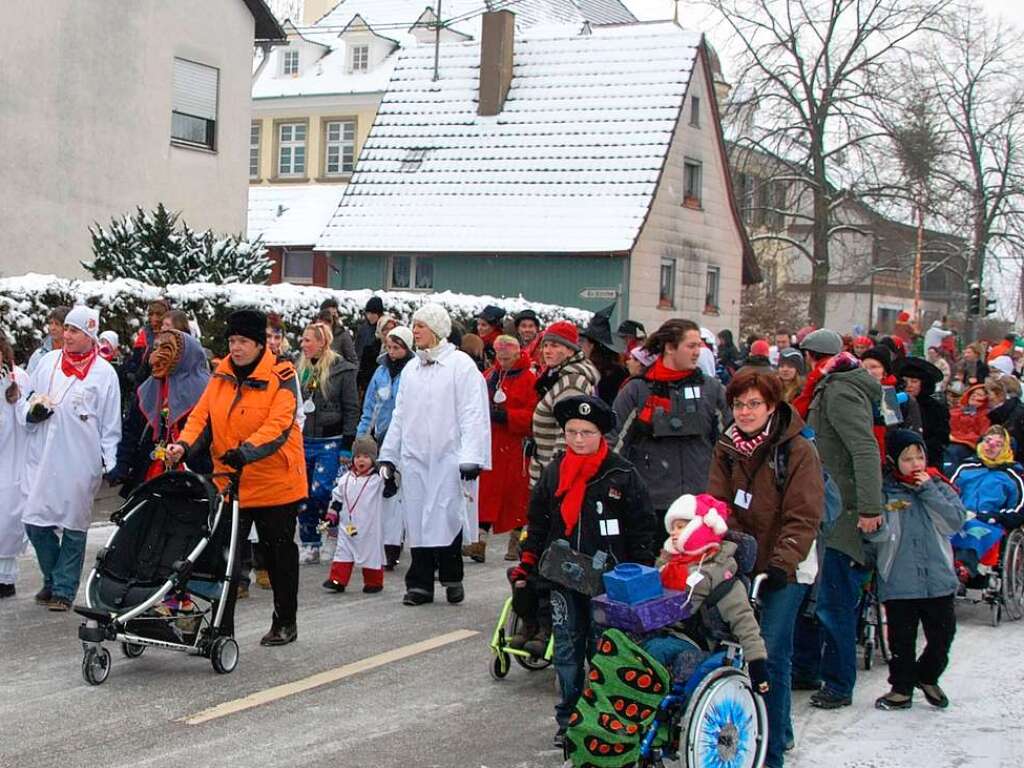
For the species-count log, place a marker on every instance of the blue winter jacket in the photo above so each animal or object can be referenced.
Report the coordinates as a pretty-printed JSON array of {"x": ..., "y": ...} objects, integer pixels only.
[
  {"x": 995, "y": 495},
  {"x": 913, "y": 556},
  {"x": 379, "y": 403}
]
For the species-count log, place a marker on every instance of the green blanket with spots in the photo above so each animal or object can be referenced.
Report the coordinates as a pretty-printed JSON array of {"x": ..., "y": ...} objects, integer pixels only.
[{"x": 624, "y": 687}]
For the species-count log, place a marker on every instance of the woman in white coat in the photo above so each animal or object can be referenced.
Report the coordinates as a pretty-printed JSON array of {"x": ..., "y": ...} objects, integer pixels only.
[
  {"x": 439, "y": 440},
  {"x": 13, "y": 392},
  {"x": 73, "y": 418}
]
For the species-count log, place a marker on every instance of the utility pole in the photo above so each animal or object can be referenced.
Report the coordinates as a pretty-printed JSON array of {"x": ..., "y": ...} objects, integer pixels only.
[{"x": 437, "y": 40}]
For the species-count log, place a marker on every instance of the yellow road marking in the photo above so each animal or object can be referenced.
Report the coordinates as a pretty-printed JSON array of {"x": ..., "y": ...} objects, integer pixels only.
[{"x": 325, "y": 678}]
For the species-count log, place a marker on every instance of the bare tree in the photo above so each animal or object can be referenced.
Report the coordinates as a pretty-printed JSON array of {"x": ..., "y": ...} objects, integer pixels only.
[{"x": 810, "y": 71}]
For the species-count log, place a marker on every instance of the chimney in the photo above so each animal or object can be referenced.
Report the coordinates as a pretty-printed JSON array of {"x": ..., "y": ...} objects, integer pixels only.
[{"x": 496, "y": 39}]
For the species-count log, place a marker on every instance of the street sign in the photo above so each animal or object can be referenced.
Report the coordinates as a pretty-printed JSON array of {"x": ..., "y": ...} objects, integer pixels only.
[{"x": 599, "y": 293}]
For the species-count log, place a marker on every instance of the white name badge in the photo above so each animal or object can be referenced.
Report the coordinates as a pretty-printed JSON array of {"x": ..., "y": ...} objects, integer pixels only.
[
  {"x": 609, "y": 527},
  {"x": 694, "y": 579},
  {"x": 743, "y": 499}
]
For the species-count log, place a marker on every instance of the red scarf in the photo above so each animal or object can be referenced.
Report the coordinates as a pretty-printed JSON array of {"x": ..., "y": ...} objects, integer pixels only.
[
  {"x": 745, "y": 446},
  {"x": 660, "y": 372},
  {"x": 911, "y": 480},
  {"x": 844, "y": 361},
  {"x": 77, "y": 364},
  {"x": 573, "y": 475}
]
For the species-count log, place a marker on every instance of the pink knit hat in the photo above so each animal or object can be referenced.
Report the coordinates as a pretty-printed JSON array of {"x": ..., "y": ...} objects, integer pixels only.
[{"x": 705, "y": 518}]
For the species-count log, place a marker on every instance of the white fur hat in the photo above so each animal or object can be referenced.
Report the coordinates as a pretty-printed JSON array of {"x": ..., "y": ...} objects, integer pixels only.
[
  {"x": 1003, "y": 364},
  {"x": 111, "y": 338},
  {"x": 403, "y": 334},
  {"x": 85, "y": 319},
  {"x": 436, "y": 318}
]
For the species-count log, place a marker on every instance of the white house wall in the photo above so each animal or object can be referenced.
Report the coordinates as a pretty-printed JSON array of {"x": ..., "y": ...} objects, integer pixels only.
[
  {"x": 697, "y": 239},
  {"x": 85, "y": 112}
]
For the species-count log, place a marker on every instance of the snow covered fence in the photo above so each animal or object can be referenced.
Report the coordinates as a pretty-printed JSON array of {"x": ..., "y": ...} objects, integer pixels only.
[{"x": 26, "y": 299}]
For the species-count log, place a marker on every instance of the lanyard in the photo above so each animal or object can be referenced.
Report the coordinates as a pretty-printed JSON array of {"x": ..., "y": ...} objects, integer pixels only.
[
  {"x": 49, "y": 387},
  {"x": 350, "y": 506}
]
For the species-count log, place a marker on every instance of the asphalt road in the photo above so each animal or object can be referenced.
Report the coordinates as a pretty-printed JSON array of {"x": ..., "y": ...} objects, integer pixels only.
[{"x": 435, "y": 707}]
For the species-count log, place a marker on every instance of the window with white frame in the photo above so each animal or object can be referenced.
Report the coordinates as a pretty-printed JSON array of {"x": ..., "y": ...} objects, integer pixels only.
[
  {"x": 667, "y": 283},
  {"x": 714, "y": 278},
  {"x": 297, "y": 267},
  {"x": 360, "y": 58},
  {"x": 290, "y": 64},
  {"x": 339, "y": 147},
  {"x": 411, "y": 272},
  {"x": 254, "y": 149},
  {"x": 194, "y": 104},
  {"x": 691, "y": 183},
  {"x": 695, "y": 111},
  {"x": 291, "y": 149}
]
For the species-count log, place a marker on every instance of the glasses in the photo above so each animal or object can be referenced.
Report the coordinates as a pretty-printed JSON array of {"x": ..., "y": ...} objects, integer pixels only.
[
  {"x": 582, "y": 434},
  {"x": 751, "y": 405}
]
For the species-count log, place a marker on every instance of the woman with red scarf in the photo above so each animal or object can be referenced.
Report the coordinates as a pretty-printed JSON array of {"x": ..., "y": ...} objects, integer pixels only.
[
  {"x": 596, "y": 501},
  {"x": 73, "y": 418},
  {"x": 505, "y": 488}
]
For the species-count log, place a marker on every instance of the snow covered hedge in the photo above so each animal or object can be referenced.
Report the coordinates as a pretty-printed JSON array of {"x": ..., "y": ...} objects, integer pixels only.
[{"x": 25, "y": 301}]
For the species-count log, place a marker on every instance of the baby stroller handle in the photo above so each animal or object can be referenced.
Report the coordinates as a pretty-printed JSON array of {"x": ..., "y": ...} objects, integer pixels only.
[{"x": 755, "y": 588}]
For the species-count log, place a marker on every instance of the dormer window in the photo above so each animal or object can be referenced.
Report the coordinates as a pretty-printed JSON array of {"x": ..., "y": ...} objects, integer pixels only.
[
  {"x": 291, "y": 63},
  {"x": 360, "y": 58}
]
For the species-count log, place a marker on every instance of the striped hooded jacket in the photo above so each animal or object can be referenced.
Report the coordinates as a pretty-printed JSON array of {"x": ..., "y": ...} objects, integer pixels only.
[{"x": 576, "y": 376}]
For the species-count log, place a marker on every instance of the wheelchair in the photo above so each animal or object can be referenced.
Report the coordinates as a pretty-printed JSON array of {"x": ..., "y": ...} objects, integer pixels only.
[
  {"x": 508, "y": 625},
  {"x": 1000, "y": 586},
  {"x": 872, "y": 627}
]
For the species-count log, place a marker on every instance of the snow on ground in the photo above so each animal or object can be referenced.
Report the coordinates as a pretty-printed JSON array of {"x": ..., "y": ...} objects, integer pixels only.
[{"x": 981, "y": 728}]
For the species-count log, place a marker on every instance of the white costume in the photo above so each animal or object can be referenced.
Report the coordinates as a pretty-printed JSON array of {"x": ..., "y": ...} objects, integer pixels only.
[
  {"x": 441, "y": 420},
  {"x": 67, "y": 454},
  {"x": 12, "y": 463},
  {"x": 362, "y": 507},
  {"x": 393, "y": 523}
]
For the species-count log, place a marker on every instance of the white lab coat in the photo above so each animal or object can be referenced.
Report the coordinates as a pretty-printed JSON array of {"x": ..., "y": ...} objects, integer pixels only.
[
  {"x": 66, "y": 455},
  {"x": 12, "y": 463},
  {"x": 393, "y": 521},
  {"x": 362, "y": 505},
  {"x": 441, "y": 420},
  {"x": 706, "y": 363}
]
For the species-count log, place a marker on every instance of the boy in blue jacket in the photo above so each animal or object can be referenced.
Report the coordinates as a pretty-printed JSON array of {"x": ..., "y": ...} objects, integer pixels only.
[{"x": 916, "y": 578}]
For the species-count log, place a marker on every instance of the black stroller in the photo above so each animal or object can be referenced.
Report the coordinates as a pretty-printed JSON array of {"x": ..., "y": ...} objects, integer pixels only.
[{"x": 167, "y": 577}]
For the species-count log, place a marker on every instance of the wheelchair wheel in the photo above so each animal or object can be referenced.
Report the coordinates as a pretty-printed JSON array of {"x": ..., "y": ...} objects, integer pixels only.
[
  {"x": 531, "y": 663},
  {"x": 725, "y": 722},
  {"x": 500, "y": 666},
  {"x": 1013, "y": 575}
]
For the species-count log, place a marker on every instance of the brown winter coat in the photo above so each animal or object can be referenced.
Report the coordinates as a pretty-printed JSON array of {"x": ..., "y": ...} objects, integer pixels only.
[{"x": 784, "y": 523}]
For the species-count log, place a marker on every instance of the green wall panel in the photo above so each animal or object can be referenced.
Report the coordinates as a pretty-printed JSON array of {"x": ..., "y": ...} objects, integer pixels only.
[{"x": 549, "y": 279}]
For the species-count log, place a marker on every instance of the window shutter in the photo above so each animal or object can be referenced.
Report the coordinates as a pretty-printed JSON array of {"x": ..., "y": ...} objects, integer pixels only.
[{"x": 195, "y": 89}]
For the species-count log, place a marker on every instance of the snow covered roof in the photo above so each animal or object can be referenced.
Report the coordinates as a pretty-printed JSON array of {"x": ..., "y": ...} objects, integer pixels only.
[
  {"x": 396, "y": 20},
  {"x": 570, "y": 164},
  {"x": 287, "y": 214}
]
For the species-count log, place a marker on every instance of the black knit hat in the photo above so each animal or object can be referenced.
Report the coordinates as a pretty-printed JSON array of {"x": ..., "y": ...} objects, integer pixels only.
[
  {"x": 882, "y": 354},
  {"x": 375, "y": 305},
  {"x": 586, "y": 407},
  {"x": 250, "y": 323},
  {"x": 491, "y": 314},
  {"x": 898, "y": 440}
]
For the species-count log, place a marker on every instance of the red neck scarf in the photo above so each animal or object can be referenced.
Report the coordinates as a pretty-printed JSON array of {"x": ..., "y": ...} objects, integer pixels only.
[
  {"x": 77, "y": 364},
  {"x": 573, "y": 475},
  {"x": 745, "y": 445},
  {"x": 660, "y": 372}
]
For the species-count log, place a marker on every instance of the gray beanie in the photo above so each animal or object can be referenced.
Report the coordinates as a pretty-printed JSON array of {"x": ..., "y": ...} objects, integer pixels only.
[
  {"x": 823, "y": 342},
  {"x": 364, "y": 445},
  {"x": 793, "y": 358}
]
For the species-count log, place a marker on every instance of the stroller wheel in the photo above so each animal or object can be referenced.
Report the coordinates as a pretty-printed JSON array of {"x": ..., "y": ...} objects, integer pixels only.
[
  {"x": 96, "y": 665},
  {"x": 500, "y": 665},
  {"x": 869, "y": 654},
  {"x": 997, "y": 613},
  {"x": 224, "y": 655},
  {"x": 132, "y": 650}
]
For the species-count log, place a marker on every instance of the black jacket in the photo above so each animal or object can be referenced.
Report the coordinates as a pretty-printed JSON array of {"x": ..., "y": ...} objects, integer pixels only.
[
  {"x": 1010, "y": 416},
  {"x": 623, "y": 498},
  {"x": 935, "y": 420},
  {"x": 337, "y": 412},
  {"x": 135, "y": 451}
]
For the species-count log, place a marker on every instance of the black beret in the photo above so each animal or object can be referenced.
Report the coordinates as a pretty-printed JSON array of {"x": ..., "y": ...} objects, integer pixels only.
[{"x": 586, "y": 407}]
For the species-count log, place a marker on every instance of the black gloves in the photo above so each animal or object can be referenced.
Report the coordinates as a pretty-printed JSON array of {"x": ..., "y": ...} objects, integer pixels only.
[
  {"x": 234, "y": 458},
  {"x": 387, "y": 471},
  {"x": 518, "y": 573},
  {"x": 758, "y": 671},
  {"x": 777, "y": 579},
  {"x": 38, "y": 413},
  {"x": 499, "y": 415},
  {"x": 469, "y": 472}
]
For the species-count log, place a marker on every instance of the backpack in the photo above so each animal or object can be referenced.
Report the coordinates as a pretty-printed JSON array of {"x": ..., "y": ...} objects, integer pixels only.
[{"x": 833, "y": 499}]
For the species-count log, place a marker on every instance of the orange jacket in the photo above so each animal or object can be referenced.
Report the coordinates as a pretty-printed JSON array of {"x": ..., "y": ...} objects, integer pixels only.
[{"x": 258, "y": 418}]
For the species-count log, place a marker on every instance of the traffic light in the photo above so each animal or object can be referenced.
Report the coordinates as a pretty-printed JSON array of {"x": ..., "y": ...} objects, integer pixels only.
[
  {"x": 974, "y": 300},
  {"x": 990, "y": 306}
]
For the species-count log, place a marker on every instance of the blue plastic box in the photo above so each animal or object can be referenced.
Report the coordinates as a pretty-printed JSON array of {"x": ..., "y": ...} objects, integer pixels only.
[{"x": 631, "y": 583}]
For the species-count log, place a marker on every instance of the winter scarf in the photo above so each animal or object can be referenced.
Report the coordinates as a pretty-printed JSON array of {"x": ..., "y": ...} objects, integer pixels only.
[
  {"x": 677, "y": 568},
  {"x": 395, "y": 366},
  {"x": 746, "y": 445},
  {"x": 573, "y": 475},
  {"x": 77, "y": 364},
  {"x": 933, "y": 473},
  {"x": 432, "y": 355},
  {"x": 844, "y": 361},
  {"x": 659, "y": 372}
]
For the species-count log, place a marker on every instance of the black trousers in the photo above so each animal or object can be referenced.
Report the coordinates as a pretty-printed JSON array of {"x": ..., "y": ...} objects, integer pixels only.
[
  {"x": 937, "y": 618},
  {"x": 445, "y": 561},
  {"x": 275, "y": 527}
]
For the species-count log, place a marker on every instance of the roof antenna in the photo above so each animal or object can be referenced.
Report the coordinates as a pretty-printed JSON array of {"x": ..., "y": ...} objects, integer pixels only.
[
  {"x": 585, "y": 30},
  {"x": 437, "y": 39},
  {"x": 675, "y": 12}
]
